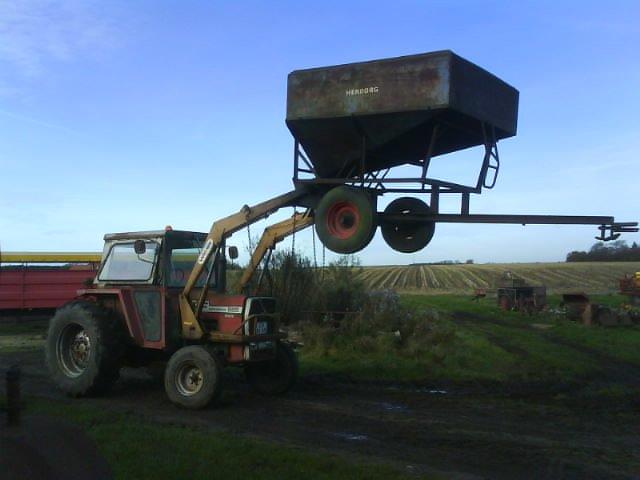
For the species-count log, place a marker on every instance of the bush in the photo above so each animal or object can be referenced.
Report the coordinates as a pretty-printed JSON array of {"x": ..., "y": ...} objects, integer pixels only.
[
  {"x": 383, "y": 326},
  {"x": 307, "y": 293},
  {"x": 334, "y": 312},
  {"x": 339, "y": 291},
  {"x": 293, "y": 283}
]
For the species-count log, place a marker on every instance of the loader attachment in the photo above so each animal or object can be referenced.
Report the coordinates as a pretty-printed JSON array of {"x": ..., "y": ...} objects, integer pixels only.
[
  {"x": 220, "y": 230},
  {"x": 270, "y": 237}
]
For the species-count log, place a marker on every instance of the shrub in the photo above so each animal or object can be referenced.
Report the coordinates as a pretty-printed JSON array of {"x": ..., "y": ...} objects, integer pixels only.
[
  {"x": 291, "y": 280},
  {"x": 304, "y": 292},
  {"x": 334, "y": 312}
]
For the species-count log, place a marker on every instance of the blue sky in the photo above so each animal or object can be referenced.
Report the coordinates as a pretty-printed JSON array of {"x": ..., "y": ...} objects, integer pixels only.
[{"x": 118, "y": 116}]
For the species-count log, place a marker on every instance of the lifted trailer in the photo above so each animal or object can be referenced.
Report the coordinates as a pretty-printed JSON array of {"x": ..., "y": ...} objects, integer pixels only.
[
  {"x": 162, "y": 295},
  {"x": 354, "y": 123}
]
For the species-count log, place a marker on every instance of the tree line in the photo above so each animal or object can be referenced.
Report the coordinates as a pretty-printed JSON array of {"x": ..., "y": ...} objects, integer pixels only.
[{"x": 617, "y": 251}]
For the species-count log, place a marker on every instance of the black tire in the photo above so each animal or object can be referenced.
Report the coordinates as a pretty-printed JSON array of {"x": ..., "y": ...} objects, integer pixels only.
[
  {"x": 345, "y": 219},
  {"x": 274, "y": 377},
  {"x": 193, "y": 377},
  {"x": 84, "y": 348},
  {"x": 407, "y": 237}
]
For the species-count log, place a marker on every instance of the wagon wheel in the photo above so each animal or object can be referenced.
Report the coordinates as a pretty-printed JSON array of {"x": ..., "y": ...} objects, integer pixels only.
[
  {"x": 345, "y": 219},
  {"x": 407, "y": 237}
]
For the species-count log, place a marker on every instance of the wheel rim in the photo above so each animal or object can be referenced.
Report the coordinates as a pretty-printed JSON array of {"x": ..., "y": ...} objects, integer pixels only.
[
  {"x": 73, "y": 350},
  {"x": 189, "y": 379},
  {"x": 343, "y": 220}
]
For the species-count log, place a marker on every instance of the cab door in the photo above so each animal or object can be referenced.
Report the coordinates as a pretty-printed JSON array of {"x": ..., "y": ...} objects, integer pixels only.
[{"x": 150, "y": 307}]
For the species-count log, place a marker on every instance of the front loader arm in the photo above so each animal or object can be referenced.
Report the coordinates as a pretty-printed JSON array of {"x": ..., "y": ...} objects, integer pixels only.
[
  {"x": 220, "y": 230},
  {"x": 272, "y": 235}
]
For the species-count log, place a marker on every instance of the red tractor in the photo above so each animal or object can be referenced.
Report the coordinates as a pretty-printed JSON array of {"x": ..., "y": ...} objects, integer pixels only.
[{"x": 161, "y": 296}]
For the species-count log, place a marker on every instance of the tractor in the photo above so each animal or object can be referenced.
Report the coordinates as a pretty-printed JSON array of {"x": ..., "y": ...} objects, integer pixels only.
[{"x": 161, "y": 296}]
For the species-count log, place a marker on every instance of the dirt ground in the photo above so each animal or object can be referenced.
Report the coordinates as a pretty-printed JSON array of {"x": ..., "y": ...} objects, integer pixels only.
[{"x": 462, "y": 431}]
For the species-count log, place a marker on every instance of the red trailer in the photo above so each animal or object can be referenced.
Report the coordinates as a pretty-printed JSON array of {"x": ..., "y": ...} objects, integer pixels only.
[{"x": 33, "y": 281}]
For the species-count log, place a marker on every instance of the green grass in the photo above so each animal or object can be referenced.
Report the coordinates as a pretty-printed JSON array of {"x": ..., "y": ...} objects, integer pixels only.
[
  {"x": 481, "y": 343},
  {"x": 456, "y": 355},
  {"x": 23, "y": 327},
  {"x": 620, "y": 343},
  {"x": 142, "y": 449}
]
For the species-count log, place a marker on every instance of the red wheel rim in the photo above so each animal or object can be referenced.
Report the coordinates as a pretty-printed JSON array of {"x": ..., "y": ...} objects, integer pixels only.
[{"x": 343, "y": 220}]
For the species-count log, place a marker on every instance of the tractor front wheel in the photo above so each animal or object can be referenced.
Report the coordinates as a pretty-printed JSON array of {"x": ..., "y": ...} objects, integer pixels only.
[
  {"x": 193, "y": 377},
  {"x": 274, "y": 377}
]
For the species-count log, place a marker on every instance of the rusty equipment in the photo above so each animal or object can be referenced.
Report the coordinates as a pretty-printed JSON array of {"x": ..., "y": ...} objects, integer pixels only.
[
  {"x": 478, "y": 294},
  {"x": 579, "y": 308},
  {"x": 513, "y": 293},
  {"x": 354, "y": 123},
  {"x": 630, "y": 287}
]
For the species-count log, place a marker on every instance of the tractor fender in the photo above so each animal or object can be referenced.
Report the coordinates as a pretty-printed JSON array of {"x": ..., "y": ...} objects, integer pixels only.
[{"x": 116, "y": 300}]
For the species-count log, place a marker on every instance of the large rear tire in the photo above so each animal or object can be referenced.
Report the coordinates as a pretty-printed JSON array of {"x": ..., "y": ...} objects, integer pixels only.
[
  {"x": 193, "y": 377},
  {"x": 84, "y": 348},
  {"x": 345, "y": 219},
  {"x": 274, "y": 377}
]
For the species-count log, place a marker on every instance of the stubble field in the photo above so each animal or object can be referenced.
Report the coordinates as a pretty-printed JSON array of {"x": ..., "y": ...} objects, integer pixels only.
[{"x": 589, "y": 277}]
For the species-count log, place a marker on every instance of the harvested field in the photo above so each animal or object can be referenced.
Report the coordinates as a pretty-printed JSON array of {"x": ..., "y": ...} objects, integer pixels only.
[{"x": 589, "y": 277}]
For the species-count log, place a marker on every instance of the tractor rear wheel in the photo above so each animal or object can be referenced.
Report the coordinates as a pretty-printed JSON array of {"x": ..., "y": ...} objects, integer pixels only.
[
  {"x": 193, "y": 377},
  {"x": 274, "y": 377},
  {"x": 84, "y": 348},
  {"x": 345, "y": 219}
]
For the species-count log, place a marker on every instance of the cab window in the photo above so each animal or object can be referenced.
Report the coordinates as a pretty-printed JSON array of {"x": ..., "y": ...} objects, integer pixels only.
[
  {"x": 124, "y": 264},
  {"x": 182, "y": 256}
]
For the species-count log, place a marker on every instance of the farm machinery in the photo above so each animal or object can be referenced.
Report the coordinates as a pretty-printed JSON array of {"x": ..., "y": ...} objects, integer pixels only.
[
  {"x": 630, "y": 286},
  {"x": 513, "y": 293},
  {"x": 162, "y": 295}
]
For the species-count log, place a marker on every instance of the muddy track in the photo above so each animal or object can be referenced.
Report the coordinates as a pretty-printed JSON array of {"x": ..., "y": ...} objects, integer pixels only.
[
  {"x": 465, "y": 433},
  {"x": 613, "y": 370}
]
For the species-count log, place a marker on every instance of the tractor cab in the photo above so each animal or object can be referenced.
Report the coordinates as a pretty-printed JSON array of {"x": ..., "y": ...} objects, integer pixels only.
[
  {"x": 162, "y": 258},
  {"x": 147, "y": 272}
]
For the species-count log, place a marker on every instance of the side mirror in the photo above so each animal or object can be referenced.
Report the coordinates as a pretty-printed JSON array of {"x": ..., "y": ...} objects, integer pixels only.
[
  {"x": 233, "y": 252},
  {"x": 139, "y": 247}
]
